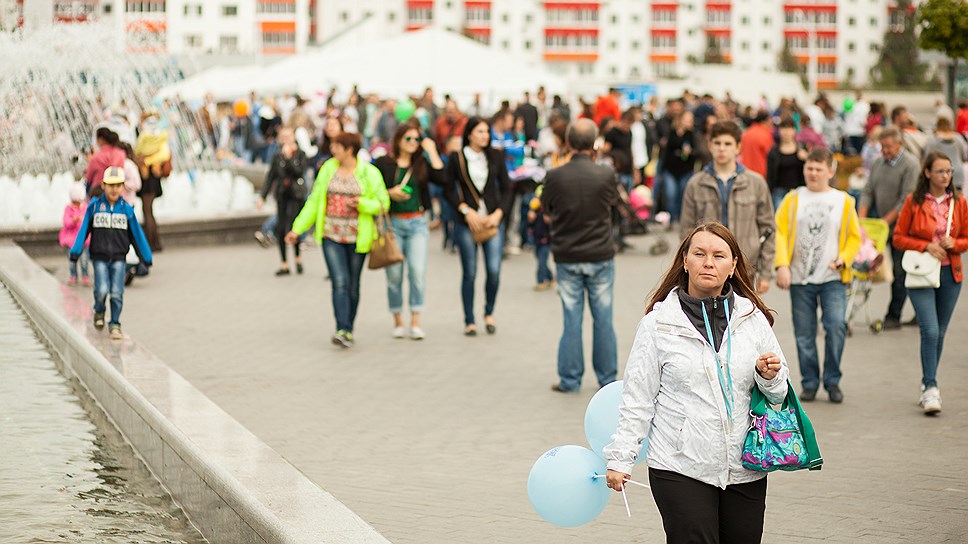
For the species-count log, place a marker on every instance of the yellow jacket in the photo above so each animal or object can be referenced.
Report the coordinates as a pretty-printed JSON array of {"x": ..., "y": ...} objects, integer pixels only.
[{"x": 786, "y": 233}]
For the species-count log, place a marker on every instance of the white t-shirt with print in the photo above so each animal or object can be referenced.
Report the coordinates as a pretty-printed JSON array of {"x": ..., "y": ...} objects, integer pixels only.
[{"x": 817, "y": 243}]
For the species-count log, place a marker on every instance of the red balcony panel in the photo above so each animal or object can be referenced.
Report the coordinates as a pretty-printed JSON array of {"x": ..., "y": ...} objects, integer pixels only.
[
  {"x": 719, "y": 6},
  {"x": 663, "y": 58},
  {"x": 572, "y": 5},
  {"x": 420, "y": 3},
  {"x": 412, "y": 27},
  {"x": 570, "y": 57},
  {"x": 471, "y": 4},
  {"x": 719, "y": 31},
  {"x": 558, "y": 31},
  {"x": 663, "y": 32},
  {"x": 479, "y": 30},
  {"x": 832, "y": 8}
]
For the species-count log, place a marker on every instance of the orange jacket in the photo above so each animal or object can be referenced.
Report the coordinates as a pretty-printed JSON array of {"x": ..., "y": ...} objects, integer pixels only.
[{"x": 915, "y": 228}]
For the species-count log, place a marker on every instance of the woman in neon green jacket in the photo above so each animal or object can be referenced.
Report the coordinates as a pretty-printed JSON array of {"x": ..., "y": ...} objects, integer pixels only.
[{"x": 346, "y": 196}]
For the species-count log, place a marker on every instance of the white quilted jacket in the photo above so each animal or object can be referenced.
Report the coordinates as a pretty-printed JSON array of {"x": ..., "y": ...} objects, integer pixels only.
[{"x": 672, "y": 395}]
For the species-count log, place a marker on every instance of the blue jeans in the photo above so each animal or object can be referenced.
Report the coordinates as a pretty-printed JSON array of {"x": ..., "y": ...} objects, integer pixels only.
[
  {"x": 413, "y": 236},
  {"x": 523, "y": 219},
  {"x": 673, "y": 188},
  {"x": 934, "y": 308},
  {"x": 598, "y": 279},
  {"x": 345, "y": 266},
  {"x": 109, "y": 280},
  {"x": 541, "y": 252},
  {"x": 493, "y": 251},
  {"x": 832, "y": 297},
  {"x": 83, "y": 262}
]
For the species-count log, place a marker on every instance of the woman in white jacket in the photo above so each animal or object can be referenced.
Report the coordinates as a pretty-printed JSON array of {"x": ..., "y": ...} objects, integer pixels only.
[{"x": 691, "y": 400}]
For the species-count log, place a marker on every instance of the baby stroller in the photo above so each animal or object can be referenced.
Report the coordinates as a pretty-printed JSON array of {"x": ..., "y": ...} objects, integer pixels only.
[{"x": 866, "y": 270}]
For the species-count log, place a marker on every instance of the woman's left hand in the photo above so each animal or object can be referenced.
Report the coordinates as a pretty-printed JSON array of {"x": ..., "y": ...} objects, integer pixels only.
[
  {"x": 615, "y": 479},
  {"x": 397, "y": 194},
  {"x": 494, "y": 218},
  {"x": 947, "y": 243},
  {"x": 768, "y": 365}
]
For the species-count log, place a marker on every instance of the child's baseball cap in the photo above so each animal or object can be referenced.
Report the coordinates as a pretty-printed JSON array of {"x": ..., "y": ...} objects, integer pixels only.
[{"x": 113, "y": 175}]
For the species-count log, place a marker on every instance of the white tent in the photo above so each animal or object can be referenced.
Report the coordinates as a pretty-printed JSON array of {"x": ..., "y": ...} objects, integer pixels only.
[{"x": 401, "y": 65}]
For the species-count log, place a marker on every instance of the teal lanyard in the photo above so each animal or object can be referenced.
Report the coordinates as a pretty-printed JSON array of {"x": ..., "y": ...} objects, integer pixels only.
[{"x": 725, "y": 384}]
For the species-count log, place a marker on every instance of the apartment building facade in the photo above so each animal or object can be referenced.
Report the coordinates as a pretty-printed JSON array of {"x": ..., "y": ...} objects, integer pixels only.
[{"x": 605, "y": 40}]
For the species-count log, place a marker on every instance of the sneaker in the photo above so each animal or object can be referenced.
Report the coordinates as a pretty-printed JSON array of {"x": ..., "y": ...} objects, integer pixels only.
[
  {"x": 399, "y": 332},
  {"x": 299, "y": 268},
  {"x": 931, "y": 401},
  {"x": 416, "y": 333},
  {"x": 116, "y": 333},
  {"x": 544, "y": 286},
  {"x": 282, "y": 272},
  {"x": 343, "y": 339},
  {"x": 85, "y": 281},
  {"x": 72, "y": 282},
  {"x": 263, "y": 240},
  {"x": 99, "y": 321},
  {"x": 892, "y": 324},
  {"x": 128, "y": 276},
  {"x": 807, "y": 395}
]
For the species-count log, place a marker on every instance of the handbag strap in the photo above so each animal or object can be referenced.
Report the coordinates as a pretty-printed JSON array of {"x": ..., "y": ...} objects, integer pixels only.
[
  {"x": 951, "y": 213},
  {"x": 466, "y": 175},
  {"x": 406, "y": 177}
]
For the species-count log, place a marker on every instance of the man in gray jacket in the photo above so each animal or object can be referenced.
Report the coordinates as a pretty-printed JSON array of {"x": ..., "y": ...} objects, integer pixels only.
[
  {"x": 579, "y": 197},
  {"x": 739, "y": 198},
  {"x": 893, "y": 176}
]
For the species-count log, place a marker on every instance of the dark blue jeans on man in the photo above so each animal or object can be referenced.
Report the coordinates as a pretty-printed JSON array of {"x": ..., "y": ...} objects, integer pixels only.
[
  {"x": 345, "y": 267},
  {"x": 109, "y": 281},
  {"x": 493, "y": 250},
  {"x": 934, "y": 308},
  {"x": 574, "y": 281},
  {"x": 541, "y": 254},
  {"x": 832, "y": 298}
]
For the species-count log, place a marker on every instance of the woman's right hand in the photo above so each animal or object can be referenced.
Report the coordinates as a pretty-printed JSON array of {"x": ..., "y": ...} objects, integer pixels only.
[
  {"x": 936, "y": 250},
  {"x": 291, "y": 238},
  {"x": 616, "y": 480},
  {"x": 474, "y": 221},
  {"x": 397, "y": 195}
]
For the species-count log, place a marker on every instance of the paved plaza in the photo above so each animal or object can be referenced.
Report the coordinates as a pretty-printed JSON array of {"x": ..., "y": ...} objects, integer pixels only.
[{"x": 431, "y": 442}]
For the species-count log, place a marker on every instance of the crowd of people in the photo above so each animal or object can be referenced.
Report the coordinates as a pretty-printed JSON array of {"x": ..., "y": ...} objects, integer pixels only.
[{"x": 754, "y": 192}]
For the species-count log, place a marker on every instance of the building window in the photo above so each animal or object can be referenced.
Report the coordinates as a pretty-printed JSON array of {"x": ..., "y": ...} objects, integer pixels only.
[
  {"x": 614, "y": 22},
  {"x": 851, "y": 47},
  {"x": 392, "y": 16},
  {"x": 767, "y": 21},
  {"x": 613, "y": 45},
  {"x": 586, "y": 68},
  {"x": 665, "y": 17},
  {"x": 766, "y": 46},
  {"x": 635, "y": 20},
  {"x": 717, "y": 17},
  {"x": 193, "y": 41},
  {"x": 635, "y": 45},
  {"x": 505, "y": 18},
  {"x": 584, "y": 16},
  {"x": 230, "y": 11},
  {"x": 343, "y": 16},
  {"x": 278, "y": 40},
  {"x": 528, "y": 18},
  {"x": 228, "y": 44},
  {"x": 527, "y": 45},
  {"x": 874, "y": 47},
  {"x": 478, "y": 15},
  {"x": 663, "y": 42},
  {"x": 420, "y": 15},
  {"x": 613, "y": 70},
  {"x": 664, "y": 69},
  {"x": 571, "y": 41},
  {"x": 744, "y": 20},
  {"x": 852, "y": 22},
  {"x": 505, "y": 45},
  {"x": 267, "y": 6},
  {"x": 745, "y": 46},
  {"x": 873, "y": 22}
]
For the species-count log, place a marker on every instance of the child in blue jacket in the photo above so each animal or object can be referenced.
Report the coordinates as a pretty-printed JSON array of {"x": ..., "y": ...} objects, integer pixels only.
[{"x": 113, "y": 228}]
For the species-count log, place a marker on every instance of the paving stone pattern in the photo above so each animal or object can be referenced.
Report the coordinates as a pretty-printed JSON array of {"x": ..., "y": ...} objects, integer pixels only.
[{"x": 431, "y": 442}]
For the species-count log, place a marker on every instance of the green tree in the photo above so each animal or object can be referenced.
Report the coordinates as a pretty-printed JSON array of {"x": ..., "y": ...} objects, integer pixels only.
[
  {"x": 789, "y": 64},
  {"x": 944, "y": 27},
  {"x": 898, "y": 66}
]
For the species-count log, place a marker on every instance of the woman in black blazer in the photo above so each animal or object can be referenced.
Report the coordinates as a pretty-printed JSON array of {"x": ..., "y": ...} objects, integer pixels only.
[{"x": 480, "y": 190}]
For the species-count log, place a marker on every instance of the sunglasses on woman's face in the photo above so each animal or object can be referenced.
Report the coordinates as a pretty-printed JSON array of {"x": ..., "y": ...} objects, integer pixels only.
[{"x": 409, "y": 139}]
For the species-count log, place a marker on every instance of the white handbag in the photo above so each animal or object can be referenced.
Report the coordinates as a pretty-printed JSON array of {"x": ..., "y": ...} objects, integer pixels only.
[{"x": 922, "y": 269}]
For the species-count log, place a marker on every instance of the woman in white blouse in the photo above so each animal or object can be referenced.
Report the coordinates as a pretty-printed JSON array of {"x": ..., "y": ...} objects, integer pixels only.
[{"x": 480, "y": 190}]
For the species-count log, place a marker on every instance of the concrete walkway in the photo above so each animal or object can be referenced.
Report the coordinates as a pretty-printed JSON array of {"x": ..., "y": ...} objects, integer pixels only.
[{"x": 431, "y": 442}]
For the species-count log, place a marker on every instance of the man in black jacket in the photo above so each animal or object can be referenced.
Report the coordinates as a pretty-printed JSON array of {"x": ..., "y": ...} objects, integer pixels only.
[{"x": 579, "y": 197}]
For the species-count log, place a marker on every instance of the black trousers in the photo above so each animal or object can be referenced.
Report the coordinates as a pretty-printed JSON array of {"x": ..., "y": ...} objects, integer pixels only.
[{"x": 697, "y": 513}]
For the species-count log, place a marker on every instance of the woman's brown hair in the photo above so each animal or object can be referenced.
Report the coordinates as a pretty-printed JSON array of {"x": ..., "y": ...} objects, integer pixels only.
[
  {"x": 921, "y": 189},
  {"x": 741, "y": 281},
  {"x": 418, "y": 163}
]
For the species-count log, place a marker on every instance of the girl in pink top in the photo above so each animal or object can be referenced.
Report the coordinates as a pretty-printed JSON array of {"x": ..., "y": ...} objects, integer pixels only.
[{"x": 73, "y": 216}]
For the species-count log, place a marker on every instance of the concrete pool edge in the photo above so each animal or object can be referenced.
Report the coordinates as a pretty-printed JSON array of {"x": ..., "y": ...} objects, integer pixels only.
[{"x": 232, "y": 486}]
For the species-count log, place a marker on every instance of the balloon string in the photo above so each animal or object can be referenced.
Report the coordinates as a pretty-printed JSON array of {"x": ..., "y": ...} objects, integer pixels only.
[
  {"x": 627, "y": 510},
  {"x": 628, "y": 481}
]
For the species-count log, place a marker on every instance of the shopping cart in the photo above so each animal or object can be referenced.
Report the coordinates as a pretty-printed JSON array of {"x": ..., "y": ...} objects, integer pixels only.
[{"x": 867, "y": 270}]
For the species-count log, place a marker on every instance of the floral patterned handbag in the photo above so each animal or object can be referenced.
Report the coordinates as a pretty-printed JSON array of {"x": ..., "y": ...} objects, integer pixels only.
[{"x": 780, "y": 439}]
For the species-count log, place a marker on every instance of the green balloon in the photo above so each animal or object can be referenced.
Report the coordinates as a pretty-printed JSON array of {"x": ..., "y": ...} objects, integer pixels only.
[
  {"x": 404, "y": 110},
  {"x": 848, "y": 103}
]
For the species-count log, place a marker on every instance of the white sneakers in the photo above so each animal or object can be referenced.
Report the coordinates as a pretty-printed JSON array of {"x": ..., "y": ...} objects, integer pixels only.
[
  {"x": 930, "y": 401},
  {"x": 416, "y": 333}
]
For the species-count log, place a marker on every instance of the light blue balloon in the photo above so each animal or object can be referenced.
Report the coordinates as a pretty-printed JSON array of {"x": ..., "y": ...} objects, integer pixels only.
[
  {"x": 601, "y": 419},
  {"x": 562, "y": 487}
]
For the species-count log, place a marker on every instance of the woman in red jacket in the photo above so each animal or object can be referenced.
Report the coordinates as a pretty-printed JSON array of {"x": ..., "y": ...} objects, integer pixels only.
[{"x": 923, "y": 226}]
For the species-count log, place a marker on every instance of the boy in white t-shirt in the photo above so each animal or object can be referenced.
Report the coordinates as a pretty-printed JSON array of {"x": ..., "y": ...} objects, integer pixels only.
[{"x": 817, "y": 236}]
